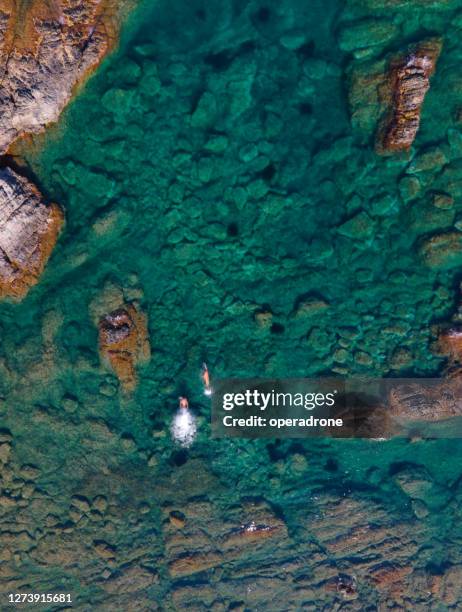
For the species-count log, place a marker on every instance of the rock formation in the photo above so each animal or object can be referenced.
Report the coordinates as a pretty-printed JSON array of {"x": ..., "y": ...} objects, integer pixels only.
[
  {"x": 437, "y": 400},
  {"x": 123, "y": 342},
  {"x": 396, "y": 407},
  {"x": 353, "y": 549},
  {"x": 449, "y": 339},
  {"x": 409, "y": 82},
  {"x": 46, "y": 49},
  {"x": 442, "y": 251},
  {"x": 416, "y": 401},
  {"x": 28, "y": 232},
  {"x": 450, "y": 344},
  {"x": 190, "y": 550}
]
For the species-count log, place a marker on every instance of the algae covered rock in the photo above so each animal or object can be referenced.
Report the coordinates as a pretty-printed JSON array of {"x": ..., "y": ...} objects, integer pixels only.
[
  {"x": 409, "y": 187},
  {"x": 417, "y": 483},
  {"x": 425, "y": 217},
  {"x": 442, "y": 251},
  {"x": 205, "y": 112},
  {"x": 123, "y": 342},
  {"x": 430, "y": 160},
  {"x": 366, "y": 33},
  {"x": 443, "y": 201},
  {"x": 365, "y": 79},
  {"x": 28, "y": 232},
  {"x": 360, "y": 227},
  {"x": 309, "y": 306}
]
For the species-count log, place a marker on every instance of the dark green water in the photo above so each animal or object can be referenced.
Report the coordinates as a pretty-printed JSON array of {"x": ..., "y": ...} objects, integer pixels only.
[{"x": 208, "y": 170}]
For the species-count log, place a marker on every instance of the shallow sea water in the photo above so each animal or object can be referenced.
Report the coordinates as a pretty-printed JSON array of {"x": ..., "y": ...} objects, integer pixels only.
[{"x": 208, "y": 169}]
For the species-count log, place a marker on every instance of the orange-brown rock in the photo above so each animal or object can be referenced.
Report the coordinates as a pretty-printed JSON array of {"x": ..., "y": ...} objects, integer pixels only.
[
  {"x": 259, "y": 524},
  {"x": 207, "y": 541},
  {"x": 263, "y": 526},
  {"x": 449, "y": 586},
  {"x": 417, "y": 401},
  {"x": 47, "y": 47},
  {"x": 193, "y": 563},
  {"x": 409, "y": 81},
  {"x": 123, "y": 342},
  {"x": 28, "y": 232},
  {"x": 133, "y": 578},
  {"x": 251, "y": 533},
  {"x": 450, "y": 344},
  {"x": 386, "y": 576}
]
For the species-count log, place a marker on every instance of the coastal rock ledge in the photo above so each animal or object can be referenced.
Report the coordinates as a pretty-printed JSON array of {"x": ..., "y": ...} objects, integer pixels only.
[
  {"x": 28, "y": 232},
  {"x": 46, "y": 49}
]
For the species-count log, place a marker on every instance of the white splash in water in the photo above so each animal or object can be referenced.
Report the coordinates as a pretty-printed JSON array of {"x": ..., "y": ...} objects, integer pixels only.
[{"x": 184, "y": 427}]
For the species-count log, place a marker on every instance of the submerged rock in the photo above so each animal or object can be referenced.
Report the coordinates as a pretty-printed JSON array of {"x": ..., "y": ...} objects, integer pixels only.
[
  {"x": 252, "y": 528},
  {"x": 442, "y": 251},
  {"x": 344, "y": 585},
  {"x": 415, "y": 482},
  {"x": 368, "y": 32},
  {"x": 28, "y": 232},
  {"x": 46, "y": 49},
  {"x": 365, "y": 80},
  {"x": 360, "y": 227},
  {"x": 309, "y": 306},
  {"x": 123, "y": 342},
  {"x": 409, "y": 81},
  {"x": 431, "y": 160}
]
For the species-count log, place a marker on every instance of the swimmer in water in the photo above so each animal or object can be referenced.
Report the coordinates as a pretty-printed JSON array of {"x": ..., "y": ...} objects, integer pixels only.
[
  {"x": 184, "y": 426},
  {"x": 183, "y": 403},
  {"x": 206, "y": 379}
]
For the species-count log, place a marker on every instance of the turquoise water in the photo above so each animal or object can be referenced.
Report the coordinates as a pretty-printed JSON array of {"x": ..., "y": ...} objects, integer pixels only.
[{"x": 210, "y": 170}]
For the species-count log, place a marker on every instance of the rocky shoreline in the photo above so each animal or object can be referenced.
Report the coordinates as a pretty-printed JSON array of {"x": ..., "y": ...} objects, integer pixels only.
[
  {"x": 28, "y": 233},
  {"x": 46, "y": 51}
]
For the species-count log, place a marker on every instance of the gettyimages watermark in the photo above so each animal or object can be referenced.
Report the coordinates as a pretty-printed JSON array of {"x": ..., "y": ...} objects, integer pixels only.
[
  {"x": 260, "y": 399},
  {"x": 331, "y": 407}
]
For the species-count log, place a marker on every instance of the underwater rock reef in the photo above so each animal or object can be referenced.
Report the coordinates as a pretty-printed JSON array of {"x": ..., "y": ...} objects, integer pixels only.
[
  {"x": 28, "y": 232},
  {"x": 123, "y": 337},
  {"x": 123, "y": 341},
  {"x": 192, "y": 543},
  {"x": 216, "y": 180}
]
